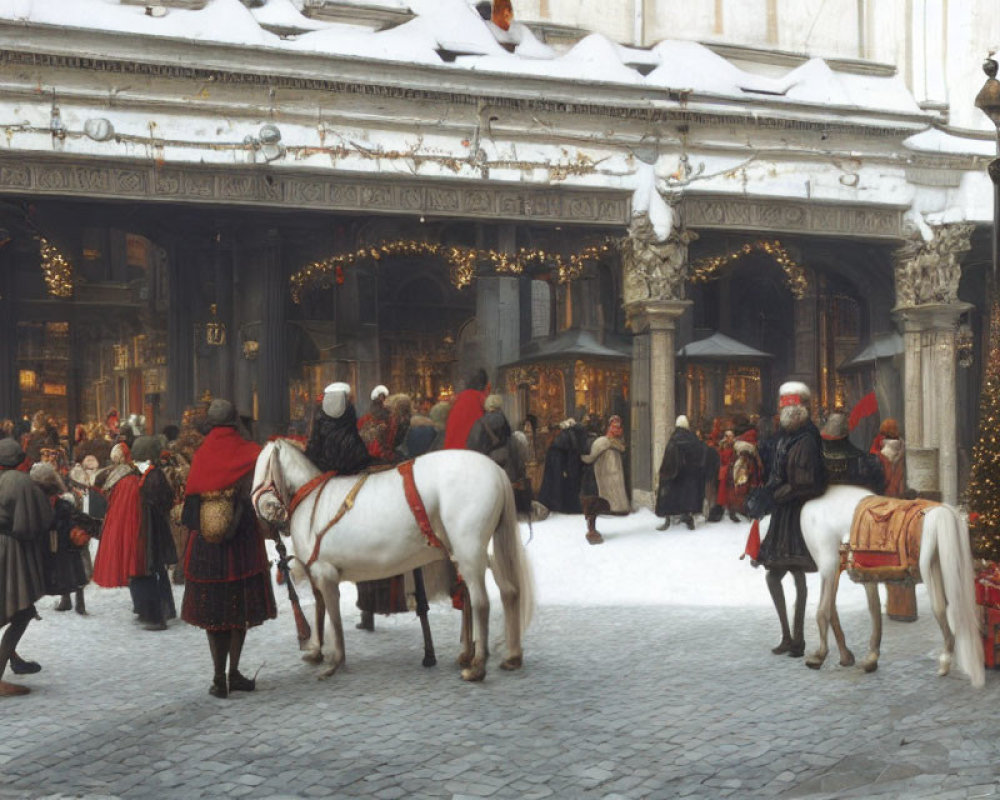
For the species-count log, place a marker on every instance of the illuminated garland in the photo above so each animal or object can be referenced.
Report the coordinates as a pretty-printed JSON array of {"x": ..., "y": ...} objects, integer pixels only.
[
  {"x": 795, "y": 276},
  {"x": 462, "y": 262},
  {"x": 984, "y": 480},
  {"x": 56, "y": 270}
]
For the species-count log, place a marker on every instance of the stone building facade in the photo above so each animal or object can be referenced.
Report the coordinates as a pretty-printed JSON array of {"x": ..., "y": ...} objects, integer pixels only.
[{"x": 260, "y": 220}]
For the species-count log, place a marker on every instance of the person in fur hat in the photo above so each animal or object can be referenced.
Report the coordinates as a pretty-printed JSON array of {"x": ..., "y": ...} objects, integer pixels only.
[
  {"x": 378, "y": 427},
  {"x": 335, "y": 444},
  {"x": 797, "y": 475}
]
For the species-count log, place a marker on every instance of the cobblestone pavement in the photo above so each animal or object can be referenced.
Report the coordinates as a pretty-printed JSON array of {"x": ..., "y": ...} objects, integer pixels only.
[{"x": 658, "y": 702}]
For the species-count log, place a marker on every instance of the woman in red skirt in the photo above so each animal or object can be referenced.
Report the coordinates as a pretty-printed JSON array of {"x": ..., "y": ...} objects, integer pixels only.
[{"x": 227, "y": 579}]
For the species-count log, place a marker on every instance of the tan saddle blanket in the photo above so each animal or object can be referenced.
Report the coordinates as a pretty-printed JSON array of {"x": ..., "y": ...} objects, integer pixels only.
[{"x": 885, "y": 539}]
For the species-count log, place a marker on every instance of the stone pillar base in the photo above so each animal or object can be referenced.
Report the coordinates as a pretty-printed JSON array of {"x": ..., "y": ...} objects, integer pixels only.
[{"x": 922, "y": 469}]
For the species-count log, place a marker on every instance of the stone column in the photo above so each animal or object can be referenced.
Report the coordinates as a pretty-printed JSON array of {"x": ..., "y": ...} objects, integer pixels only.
[
  {"x": 930, "y": 405},
  {"x": 10, "y": 400},
  {"x": 927, "y": 275},
  {"x": 654, "y": 276},
  {"x": 658, "y": 320},
  {"x": 180, "y": 333},
  {"x": 273, "y": 356}
]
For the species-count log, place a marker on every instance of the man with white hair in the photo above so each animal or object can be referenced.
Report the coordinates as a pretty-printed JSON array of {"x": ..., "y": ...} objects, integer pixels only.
[
  {"x": 681, "y": 487},
  {"x": 335, "y": 444},
  {"x": 797, "y": 475}
]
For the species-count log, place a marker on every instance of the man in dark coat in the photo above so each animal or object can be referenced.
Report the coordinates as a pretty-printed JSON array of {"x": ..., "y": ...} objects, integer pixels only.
[
  {"x": 845, "y": 463},
  {"x": 681, "y": 488},
  {"x": 797, "y": 475},
  {"x": 25, "y": 519},
  {"x": 564, "y": 470},
  {"x": 490, "y": 435},
  {"x": 335, "y": 444}
]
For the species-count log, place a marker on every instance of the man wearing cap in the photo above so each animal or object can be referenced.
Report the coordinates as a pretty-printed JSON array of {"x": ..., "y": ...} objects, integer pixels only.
[
  {"x": 797, "y": 475},
  {"x": 335, "y": 444},
  {"x": 25, "y": 518},
  {"x": 845, "y": 463}
]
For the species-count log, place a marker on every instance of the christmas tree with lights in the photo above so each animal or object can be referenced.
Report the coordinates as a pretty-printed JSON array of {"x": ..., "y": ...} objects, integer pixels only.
[{"x": 984, "y": 482}]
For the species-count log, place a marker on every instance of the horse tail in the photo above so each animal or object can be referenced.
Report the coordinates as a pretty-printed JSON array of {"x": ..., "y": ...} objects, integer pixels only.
[
  {"x": 510, "y": 561},
  {"x": 957, "y": 572}
]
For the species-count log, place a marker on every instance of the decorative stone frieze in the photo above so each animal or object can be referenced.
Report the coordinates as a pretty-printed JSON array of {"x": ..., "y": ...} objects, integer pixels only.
[
  {"x": 776, "y": 215},
  {"x": 255, "y": 185},
  {"x": 654, "y": 270},
  {"x": 929, "y": 272}
]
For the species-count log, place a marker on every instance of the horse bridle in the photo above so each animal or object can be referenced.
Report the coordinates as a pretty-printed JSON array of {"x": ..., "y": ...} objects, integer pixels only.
[{"x": 268, "y": 484}]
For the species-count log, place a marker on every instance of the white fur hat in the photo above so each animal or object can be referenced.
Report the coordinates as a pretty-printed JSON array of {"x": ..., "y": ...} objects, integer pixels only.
[
  {"x": 335, "y": 399},
  {"x": 795, "y": 389},
  {"x": 569, "y": 422},
  {"x": 682, "y": 422},
  {"x": 379, "y": 391}
]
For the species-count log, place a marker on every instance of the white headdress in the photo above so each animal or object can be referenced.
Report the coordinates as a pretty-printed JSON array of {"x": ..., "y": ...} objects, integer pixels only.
[
  {"x": 794, "y": 390},
  {"x": 682, "y": 422},
  {"x": 379, "y": 391},
  {"x": 335, "y": 399}
]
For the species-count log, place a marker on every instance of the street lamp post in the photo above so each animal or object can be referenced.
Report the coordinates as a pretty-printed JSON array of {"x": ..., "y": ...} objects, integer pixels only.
[{"x": 988, "y": 101}]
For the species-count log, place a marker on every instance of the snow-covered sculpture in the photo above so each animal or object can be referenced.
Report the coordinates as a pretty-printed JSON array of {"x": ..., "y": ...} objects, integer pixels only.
[
  {"x": 654, "y": 269},
  {"x": 929, "y": 271}
]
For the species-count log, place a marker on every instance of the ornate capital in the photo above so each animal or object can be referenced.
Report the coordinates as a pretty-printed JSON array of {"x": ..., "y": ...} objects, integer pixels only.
[
  {"x": 928, "y": 272},
  {"x": 654, "y": 270}
]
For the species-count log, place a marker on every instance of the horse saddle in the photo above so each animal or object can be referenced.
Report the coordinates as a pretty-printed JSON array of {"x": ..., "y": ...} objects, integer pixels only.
[{"x": 885, "y": 539}]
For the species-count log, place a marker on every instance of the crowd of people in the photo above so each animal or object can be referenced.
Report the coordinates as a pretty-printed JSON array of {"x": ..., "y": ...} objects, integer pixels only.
[{"x": 180, "y": 501}]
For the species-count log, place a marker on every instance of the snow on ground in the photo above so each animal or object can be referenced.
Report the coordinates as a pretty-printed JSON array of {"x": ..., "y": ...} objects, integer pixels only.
[{"x": 639, "y": 565}]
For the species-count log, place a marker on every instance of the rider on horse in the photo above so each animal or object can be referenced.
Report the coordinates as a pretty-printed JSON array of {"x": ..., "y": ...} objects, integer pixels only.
[
  {"x": 797, "y": 474},
  {"x": 335, "y": 444}
]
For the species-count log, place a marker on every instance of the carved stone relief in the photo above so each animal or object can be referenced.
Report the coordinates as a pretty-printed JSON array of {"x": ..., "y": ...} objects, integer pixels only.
[
  {"x": 654, "y": 270},
  {"x": 929, "y": 272}
]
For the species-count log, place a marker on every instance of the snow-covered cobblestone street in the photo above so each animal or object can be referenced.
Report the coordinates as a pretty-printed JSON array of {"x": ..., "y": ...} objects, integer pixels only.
[{"x": 648, "y": 673}]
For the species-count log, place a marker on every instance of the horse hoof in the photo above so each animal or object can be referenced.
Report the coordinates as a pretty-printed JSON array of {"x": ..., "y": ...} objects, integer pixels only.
[
  {"x": 473, "y": 674},
  {"x": 313, "y": 657},
  {"x": 327, "y": 673},
  {"x": 429, "y": 661},
  {"x": 870, "y": 666},
  {"x": 847, "y": 661},
  {"x": 464, "y": 660},
  {"x": 814, "y": 663},
  {"x": 512, "y": 663}
]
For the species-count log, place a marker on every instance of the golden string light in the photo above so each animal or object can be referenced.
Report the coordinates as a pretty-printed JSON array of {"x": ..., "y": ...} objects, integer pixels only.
[
  {"x": 57, "y": 271},
  {"x": 795, "y": 276},
  {"x": 984, "y": 481},
  {"x": 462, "y": 262}
]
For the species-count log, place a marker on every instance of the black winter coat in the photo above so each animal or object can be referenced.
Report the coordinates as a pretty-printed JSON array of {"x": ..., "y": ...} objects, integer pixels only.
[
  {"x": 561, "y": 479},
  {"x": 681, "y": 488},
  {"x": 798, "y": 474},
  {"x": 336, "y": 445}
]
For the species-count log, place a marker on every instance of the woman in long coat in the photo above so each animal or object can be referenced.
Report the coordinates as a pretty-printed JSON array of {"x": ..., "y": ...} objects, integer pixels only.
[{"x": 227, "y": 583}]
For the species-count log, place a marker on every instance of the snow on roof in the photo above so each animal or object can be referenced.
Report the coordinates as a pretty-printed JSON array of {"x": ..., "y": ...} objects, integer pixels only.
[{"x": 454, "y": 26}]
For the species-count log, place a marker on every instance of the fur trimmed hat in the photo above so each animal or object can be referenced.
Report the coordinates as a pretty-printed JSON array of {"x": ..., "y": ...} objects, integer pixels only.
[
  {"x": 793, "y": 393},
  {"x": 682, "y": 422},
  {"x": 335, "y": 397},
  {"x": 379, "y": 391},
  {"x": 493, "y": 403}
]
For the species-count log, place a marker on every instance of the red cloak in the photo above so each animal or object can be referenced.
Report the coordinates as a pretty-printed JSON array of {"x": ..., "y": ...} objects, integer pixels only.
[
  {"x": 222, "y": 459},
  {"x": 467, "y": 409}
]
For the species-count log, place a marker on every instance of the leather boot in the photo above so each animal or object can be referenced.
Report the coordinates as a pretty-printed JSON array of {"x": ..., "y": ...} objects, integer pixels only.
[
  {"x": 21, "y": 667},
  {"x": 665, "y": 525},
  {"x": 64, "y": 604},
  {"x": 81, "y": 606},
  {"x": 219, "y": 687},
  {"x": 688, "y": 520},
  {"x": 367, "y": 621}
]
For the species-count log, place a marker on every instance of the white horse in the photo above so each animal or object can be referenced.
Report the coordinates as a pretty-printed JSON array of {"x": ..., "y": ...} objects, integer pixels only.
[
  {"x": 468, "y": 500},
  {"x": 945, "y": 566}
]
